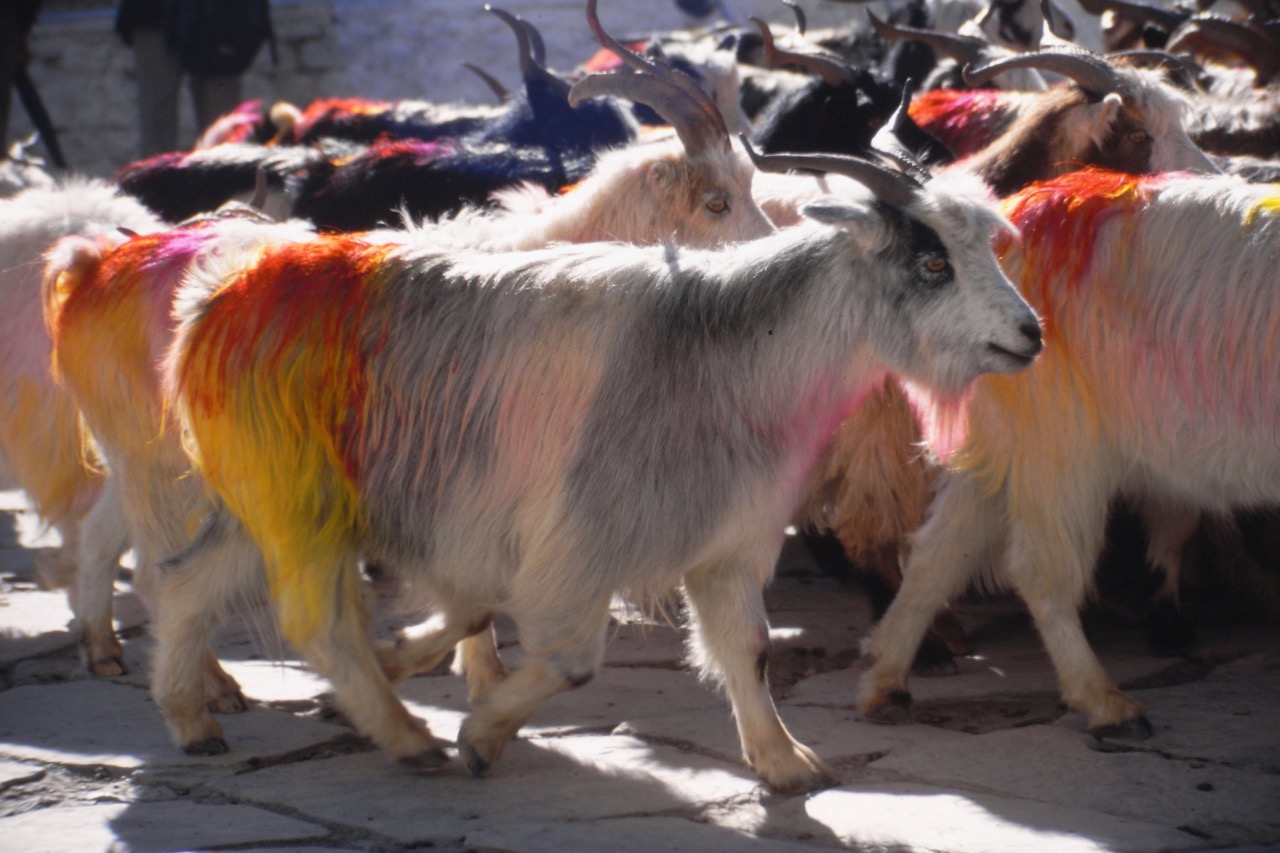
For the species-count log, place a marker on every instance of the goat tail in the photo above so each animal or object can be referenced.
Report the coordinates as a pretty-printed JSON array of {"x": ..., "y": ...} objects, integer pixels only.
[
  {"x": 266, "y": 385},
  {"x": 68, "y": 264}
]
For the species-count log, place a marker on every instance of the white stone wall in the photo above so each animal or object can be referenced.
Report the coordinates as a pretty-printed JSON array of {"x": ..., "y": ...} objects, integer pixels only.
[{"x": 373, "y": 48}]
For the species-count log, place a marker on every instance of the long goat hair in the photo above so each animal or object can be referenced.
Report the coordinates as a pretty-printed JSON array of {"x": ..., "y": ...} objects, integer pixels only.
[
  {"x": 1158, "y": 382},
  {"x": 353, "y": 399}
]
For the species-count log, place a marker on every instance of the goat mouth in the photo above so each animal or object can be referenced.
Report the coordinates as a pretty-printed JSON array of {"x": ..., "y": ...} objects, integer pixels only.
[{"x": 1018, "y": 358}]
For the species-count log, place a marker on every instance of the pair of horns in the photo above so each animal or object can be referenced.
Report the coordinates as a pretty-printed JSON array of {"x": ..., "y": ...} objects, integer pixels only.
[
  {"x": 832, "y": 71},
  {"x": 672, "y": 94},
  {"x": 892, "y": 188},
  {"x": 532, "y": 51},
  {"x": 1254, "y": 46},
  {"x": 1091, "y": 72}
]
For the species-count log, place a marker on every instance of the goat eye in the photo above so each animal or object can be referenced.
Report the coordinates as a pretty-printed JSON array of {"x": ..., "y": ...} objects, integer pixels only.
[
  {"x": 1137, "y": 137},
  {"x": 717, "y": 205},
  {"x": 936, "y": 264}
]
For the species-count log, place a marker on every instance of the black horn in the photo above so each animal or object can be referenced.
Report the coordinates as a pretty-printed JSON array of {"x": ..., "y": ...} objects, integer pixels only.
[
  {"x": 964, "y": 49},
  {"x": 492, "y": 82},
  {"x": 530, "y": 69},
  {"x": 834, "y": 73},
  {"x": 887, "y": 141}
]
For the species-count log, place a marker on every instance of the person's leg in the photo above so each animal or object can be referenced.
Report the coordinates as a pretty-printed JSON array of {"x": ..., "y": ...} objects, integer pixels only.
[
  {"x": 213, "y": 97},
  {"x": 10, "y": 40},
  {"x": 159, "y": 78}
]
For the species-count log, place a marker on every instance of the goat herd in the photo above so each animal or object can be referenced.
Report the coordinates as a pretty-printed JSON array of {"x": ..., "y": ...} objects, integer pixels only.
[{"x": 613, "y": 335}]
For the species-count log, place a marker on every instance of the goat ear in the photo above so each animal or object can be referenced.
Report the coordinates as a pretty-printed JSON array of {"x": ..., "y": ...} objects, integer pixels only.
[
  {"x": 660, "y": 174},
  {"x": 862, "y": 222},
  {"x": 834, "y": 212},
  {"x": 1102, "y": 115}
]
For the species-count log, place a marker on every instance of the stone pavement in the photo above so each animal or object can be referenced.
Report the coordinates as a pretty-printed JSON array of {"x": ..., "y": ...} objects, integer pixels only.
[{"x": 644, "y": 757}]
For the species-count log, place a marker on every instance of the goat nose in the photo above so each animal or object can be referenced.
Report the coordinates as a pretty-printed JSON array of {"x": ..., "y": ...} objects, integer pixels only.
[{"x": 1032, "y": 333}]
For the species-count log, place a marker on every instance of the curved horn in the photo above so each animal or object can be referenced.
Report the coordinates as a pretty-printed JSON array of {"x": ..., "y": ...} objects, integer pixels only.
[
  {"x": 537, "y": 47},
  {"x": 1090, "y": 71},
  {"x": 1258, "y": 51},
  {"x": 667, "y": 100},
  {"x": 832, "y": 72},
  {"x": 489, "y": 80},
  {"x": 802, "y": 22},
  {"x": 709, "y": 113},
  {"x": 529, "y": 70},
  {"x": 964, "y": 49},
  {"x": 887, "y": 142},
  {"x": 892, "y": 188}
]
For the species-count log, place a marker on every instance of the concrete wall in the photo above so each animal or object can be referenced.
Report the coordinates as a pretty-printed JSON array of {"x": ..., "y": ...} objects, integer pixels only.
[{"x": 373, "y": 48}]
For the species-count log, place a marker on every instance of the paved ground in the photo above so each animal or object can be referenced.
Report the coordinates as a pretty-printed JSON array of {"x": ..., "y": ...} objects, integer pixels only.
[{"x": 644, "y": 757}]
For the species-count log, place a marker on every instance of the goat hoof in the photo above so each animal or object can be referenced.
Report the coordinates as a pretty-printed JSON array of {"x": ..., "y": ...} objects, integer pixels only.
[
  {"x": 208, "y": 746},
  {"x": 894, "y": 712},
  {"x": 432, "y": 759},
  {"x": 228, "y": 703},
  {"x": 1138, "y": 728},
  {"x": 476, "y": 765},
  {"x": 934, "y": 659},
  {"x": 108, "y": 667}
]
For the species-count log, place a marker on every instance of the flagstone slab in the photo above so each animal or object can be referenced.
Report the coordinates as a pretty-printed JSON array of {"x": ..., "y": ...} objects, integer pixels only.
[
  {"x": 149, "y": 826},
  {"x": 101, "y": 722},
  {"x": 1221, "y": 803},
  {"x": 1230, "y": 717},
  {"x": 921, "y": 817},
  {"x": 539, "y": 780}
]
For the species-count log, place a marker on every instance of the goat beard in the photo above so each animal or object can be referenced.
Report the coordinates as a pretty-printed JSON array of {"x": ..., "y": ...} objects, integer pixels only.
[{"x": 943, "y": 417}]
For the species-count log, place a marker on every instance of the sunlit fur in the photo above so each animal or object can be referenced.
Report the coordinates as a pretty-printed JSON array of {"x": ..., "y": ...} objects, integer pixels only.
[
  {"x": 41, "y": 445},
  {"x": 113, "y": 320},
  {"x": 532, "y": 433},
  {"x": 669, "y": 195},
  {"x": 870, "y": 464},
  {"x": 1158, "y": 382},
  {"x": 110, "y": 313}
]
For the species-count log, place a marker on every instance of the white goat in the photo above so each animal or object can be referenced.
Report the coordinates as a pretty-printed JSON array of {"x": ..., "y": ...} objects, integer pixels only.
[
  {"x": 109, "y": 310},
  {"x": 614, "y": 419},
  {"x": 696, "y": 190},
  {"x": 1158, "y": 381},
  {"x": 41, "y": 444},
  {"x": 874, "y": 485},
  {"x": 648, "y": 192}
]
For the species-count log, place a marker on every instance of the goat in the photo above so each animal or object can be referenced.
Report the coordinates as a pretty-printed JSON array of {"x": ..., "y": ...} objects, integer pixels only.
[
  {"x": 1221, "y": 120},
  {"x": 1110, "y": 114},
  {"x": 109, "y": 313},
  {"x": 368, "y": 188},
  {"x": 178, "y": 185},
  {"x": 696, "y": 190},
  {"x": 959, "y": 50},
  {"x": 837, "y": 112},
  {"x": 672, "y": 445},
  {"x": 41, "y": 443},
  {"x": 1157, "y": 382},
  {"x": 870, "y": 498}
]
